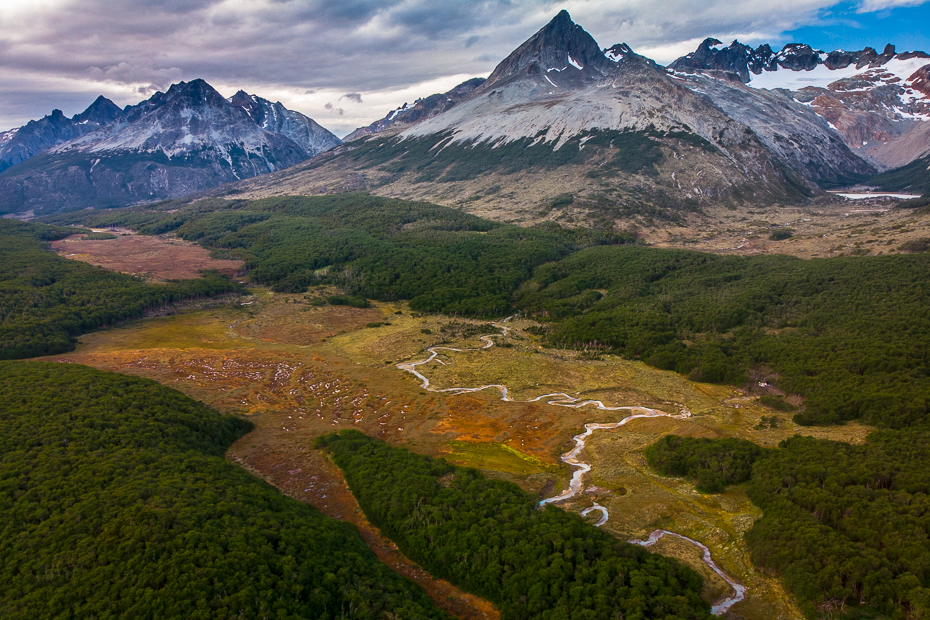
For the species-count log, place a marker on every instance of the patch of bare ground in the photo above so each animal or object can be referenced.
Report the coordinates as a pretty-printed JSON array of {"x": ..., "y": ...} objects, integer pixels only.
[{"x": 154, "y": 258}]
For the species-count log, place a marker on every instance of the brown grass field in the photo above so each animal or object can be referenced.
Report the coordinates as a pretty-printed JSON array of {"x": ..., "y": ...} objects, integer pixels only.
[{"x": 160, "y": 258}]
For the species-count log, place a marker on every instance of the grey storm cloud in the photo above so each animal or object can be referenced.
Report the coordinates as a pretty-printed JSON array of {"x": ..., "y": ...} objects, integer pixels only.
[{"x": 72, "y": 50}]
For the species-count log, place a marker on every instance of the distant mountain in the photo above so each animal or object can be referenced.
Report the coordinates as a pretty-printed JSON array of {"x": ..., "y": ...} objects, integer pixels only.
[
  {"x": 178, "y": 142},
  {"x": 18, "y": 145},
  {"x": 275, "y": 118},
  {"x": 420, "y": 110},
  {"x": 608, "y": 130},
  {"x": 878, "y": 103}
]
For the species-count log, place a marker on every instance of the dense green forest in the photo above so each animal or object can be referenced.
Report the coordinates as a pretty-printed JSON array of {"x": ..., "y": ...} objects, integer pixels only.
[
  {"x": 852, "y": 335},
  {"x": 440, "y": 259},
  {"x": 116, "y": 502},
  {"x": 846, "y": 527},
  {"x": 489, "y": 538},
  {"x": 712, "y": 464},
  {"x": 46, "y": 301}
]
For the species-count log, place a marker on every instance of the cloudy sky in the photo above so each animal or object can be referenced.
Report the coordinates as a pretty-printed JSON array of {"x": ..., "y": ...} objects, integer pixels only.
[{"x": 347, "y": 63}]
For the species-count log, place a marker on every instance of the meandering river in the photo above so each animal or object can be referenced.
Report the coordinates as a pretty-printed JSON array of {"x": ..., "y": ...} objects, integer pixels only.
[{"x": 576, "y": 484}]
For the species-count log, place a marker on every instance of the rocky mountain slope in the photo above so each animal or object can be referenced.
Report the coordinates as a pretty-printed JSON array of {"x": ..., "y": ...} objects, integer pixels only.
[
  {"x": 420, "y": 110},
  {"x": 878, "y": 103},
  {"x": 562, "y": 119},
  {"x": 181, "y": 141}
]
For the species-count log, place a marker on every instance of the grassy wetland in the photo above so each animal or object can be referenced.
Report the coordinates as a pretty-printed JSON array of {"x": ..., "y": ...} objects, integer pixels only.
[
  {"x": 299, "y": 370},
  {"x": 372, "y": 338}
]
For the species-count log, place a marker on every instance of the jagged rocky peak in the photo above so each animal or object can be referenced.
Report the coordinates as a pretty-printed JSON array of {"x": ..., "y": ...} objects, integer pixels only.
[
  {"x": 249, "y": 103},
  {"x": 561, "y": 45},
  {"x": 195, "y": 93},
  {"x": 18, "y": 145},
  {"x": 619, "y": 52},
  {"x": 101, "y": 111},
  {"x": 736, "y": 58},
  {"x": 744, "y": 61},
  {"x": 177, "y": 142},
  {"x": 276, "y": 118},
  {"x": 798, "y": 57}
]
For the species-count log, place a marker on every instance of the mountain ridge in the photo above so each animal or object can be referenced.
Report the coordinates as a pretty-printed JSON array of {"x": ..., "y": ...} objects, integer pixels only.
[
  {"x": 619, "y": 132},
  {"x": 187, "y": 139}
]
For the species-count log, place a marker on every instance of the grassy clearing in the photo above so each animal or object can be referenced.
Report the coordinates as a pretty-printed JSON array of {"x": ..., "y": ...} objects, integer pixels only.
[{"x": 497, "y": 457}]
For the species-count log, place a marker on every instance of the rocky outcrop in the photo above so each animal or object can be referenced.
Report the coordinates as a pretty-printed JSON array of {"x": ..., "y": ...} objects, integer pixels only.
[
  {"x": 879, "y": 104},
  {"x": 739, "y": 59},
  {"x": 275, "y": 118}
]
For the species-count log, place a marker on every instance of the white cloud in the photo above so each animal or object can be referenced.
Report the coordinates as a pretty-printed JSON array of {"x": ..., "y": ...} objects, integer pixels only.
[
  {"x": 62, "y": 53},
  {"x": 871, "y": 6}
]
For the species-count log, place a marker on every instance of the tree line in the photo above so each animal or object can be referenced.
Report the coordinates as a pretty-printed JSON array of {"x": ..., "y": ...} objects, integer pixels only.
[
  {"x": 116, "y": 502},
  {"x": 846, "y": 527},
  {"x": 488, "y": 537},
  {"x": 47, "y": 301}
]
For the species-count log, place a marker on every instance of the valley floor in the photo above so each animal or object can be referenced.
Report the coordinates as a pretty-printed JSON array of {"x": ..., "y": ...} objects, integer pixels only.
[{"x": 300, "y": 370}]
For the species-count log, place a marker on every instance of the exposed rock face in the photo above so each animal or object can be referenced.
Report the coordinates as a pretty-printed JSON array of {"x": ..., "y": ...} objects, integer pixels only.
[
  {"x": 420, "y": 110},
  {"x": 712, "y": 55},
  {"x": 184, "y": 140},
  {"x": 878, "y": 103},
  {"x": 796, "y": 135},
  {"x": 560, "y": 46},
  {"x": 541, "y": 89},
  {"x": 277, "y": 119},
  {"x": 612, "y": 126}
]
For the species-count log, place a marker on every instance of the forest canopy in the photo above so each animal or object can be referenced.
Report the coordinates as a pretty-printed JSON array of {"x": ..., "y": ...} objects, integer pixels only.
[
  {"x": 713, "y": 464},
  {"x": 116, "y": 502},
  {"x": 850, "y": 334},
  {"x": 47, "y": 301},
  {"x": 489, "y": 537},
  {"x": 438, "y": 258},
  {"x": 846, "y": 527}
]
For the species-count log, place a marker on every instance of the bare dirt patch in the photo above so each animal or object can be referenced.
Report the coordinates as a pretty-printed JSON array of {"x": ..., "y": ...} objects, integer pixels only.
[{"x": 154, "y": 258}]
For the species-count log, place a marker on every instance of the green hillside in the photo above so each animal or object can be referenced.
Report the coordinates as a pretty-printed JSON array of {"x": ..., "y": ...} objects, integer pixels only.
[{"x": 116, "y": 502}]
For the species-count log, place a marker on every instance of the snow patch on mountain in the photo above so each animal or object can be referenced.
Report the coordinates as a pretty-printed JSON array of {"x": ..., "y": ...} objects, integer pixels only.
[{"x": 822, "y": 77}]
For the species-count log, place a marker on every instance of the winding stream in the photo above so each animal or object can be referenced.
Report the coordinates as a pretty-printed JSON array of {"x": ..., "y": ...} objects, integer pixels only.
[{"x": 576, "y": 484}]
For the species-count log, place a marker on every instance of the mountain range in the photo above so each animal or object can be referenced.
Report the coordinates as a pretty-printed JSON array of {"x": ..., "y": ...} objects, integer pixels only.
[
  {"x": 560, "y": 120},
  {"x": 563, "y": 119},
  {"x": 878, "y": 103},
  {"x": 187, "y": 139}
]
